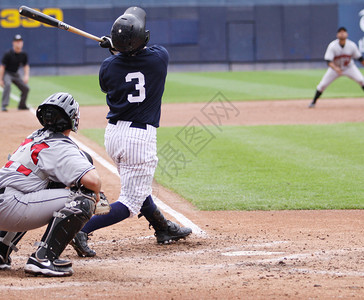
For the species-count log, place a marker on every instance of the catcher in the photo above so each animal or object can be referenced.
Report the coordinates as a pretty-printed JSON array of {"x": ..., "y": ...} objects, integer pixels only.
[{"x": 33, "y": 193}]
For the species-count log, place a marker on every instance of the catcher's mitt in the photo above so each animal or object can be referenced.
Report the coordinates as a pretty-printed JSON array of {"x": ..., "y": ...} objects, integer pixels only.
[{"x": 102, "y": 207}]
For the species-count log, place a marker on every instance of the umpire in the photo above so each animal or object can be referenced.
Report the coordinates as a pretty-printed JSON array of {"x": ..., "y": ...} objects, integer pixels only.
[{"x": 9, "y": 68}]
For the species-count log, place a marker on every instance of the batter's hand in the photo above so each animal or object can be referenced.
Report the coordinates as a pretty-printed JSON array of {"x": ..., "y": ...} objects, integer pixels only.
[
  {"x": 106, "y": 42},
  {"x": 1, "y": 83}
]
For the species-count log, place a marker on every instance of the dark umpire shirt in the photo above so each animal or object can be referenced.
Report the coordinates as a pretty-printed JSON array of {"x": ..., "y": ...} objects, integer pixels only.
[
  {"x": 134, "y": 85},
  {"x": 12, "y": 61}
]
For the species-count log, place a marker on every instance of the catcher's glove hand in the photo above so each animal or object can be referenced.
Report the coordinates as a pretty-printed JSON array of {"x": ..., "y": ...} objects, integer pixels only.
[{"x": 102, "y": 207}]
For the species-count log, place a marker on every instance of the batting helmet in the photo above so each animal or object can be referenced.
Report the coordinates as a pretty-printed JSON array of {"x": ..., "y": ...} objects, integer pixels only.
[
  {"x": 59, "y": 112},
  {"x": 128, "y": 32}
]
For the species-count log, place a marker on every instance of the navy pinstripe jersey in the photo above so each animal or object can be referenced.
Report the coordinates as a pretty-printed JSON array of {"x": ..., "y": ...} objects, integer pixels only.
[{"x": 134, "y": 85}]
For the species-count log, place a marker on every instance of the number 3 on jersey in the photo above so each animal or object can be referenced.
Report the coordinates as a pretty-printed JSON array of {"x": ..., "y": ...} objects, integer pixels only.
[{"x": 139, "y": 86}]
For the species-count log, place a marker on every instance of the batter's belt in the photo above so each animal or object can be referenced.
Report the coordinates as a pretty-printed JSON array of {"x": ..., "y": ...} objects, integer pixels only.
[{"x": 133, "y": 124}]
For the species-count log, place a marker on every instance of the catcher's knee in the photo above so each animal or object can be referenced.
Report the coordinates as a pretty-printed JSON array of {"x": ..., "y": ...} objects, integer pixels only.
[
  {"x": 65, "y": 224},
  {"x": 82, "y": 204}
]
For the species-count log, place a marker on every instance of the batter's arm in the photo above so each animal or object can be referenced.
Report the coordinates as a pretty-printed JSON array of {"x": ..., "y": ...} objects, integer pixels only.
[{"x": 91, "y": 180}]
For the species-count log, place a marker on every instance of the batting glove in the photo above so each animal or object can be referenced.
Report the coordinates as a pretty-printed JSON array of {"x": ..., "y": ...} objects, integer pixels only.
[{"x": 106, "y": 42}]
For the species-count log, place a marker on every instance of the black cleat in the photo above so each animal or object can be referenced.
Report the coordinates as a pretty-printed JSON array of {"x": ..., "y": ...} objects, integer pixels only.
[
  {"x": 45, "y": 267},
  {"x": 5, "y": 265},
  {"x": 79, "y": 243},
  {"x": 173, "y": 233}
]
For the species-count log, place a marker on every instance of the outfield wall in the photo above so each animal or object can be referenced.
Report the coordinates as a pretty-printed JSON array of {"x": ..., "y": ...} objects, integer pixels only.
[{"x": 193, "y": 35}]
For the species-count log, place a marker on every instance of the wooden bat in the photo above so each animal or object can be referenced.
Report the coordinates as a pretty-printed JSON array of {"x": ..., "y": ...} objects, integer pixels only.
[{"x": 43, "y": 18}]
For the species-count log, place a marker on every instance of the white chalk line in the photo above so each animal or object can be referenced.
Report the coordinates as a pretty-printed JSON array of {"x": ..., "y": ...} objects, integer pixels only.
[
  {"x": 251, "y": 253},
  {"x": 178, "y": 216},
  {"x": 315, "y": 255}
]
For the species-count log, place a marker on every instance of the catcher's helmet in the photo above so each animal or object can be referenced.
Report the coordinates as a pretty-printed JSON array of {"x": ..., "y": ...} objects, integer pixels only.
[
  {"x": 128, "y": 33},
  {"x": 59, "y": 112}
]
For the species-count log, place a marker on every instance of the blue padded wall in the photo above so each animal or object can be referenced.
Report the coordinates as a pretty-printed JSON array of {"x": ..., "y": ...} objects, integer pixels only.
[{"x": 192, "y": 34}]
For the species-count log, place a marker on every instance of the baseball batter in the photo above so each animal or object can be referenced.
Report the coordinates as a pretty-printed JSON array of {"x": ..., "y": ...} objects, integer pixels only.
[
  {"x": 339, "y": 56},
  {"x": 133, "y": 81},
  {"x": 46, "y": 157}
]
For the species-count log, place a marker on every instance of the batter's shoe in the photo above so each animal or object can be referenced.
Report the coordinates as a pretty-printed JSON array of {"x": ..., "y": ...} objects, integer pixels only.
[
  {"x": 312, "y": 105},
  {"x": 166, "y": 231},
  {"x": 172, "y": 233},
  {"x": 5, "y": 265},
  {"x": 79, "y": 243},
  {"x": 45, "y": 267}
]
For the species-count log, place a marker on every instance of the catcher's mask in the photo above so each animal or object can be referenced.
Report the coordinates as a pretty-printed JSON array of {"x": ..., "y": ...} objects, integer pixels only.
[
  {"x": 128, "y": 32},
  {"x": 59, "y": 112}
]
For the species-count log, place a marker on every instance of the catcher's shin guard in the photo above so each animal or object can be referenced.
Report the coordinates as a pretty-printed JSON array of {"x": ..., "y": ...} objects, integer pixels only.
[
  {"x": 166, "y": 231},
  {"x": 8, "y": 241},
  {"x": 64, "y": 226}
]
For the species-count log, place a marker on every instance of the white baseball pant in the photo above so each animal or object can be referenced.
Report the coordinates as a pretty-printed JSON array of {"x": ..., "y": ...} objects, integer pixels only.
[
  {"x": 134, "y": 152},
  {"x": 352, "y": 72}
]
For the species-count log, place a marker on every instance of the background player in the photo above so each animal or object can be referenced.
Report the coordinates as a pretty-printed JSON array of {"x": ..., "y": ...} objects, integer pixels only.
[
  {"x": 339, "y": 56},
  {"x": 134, "y": 83},
  {"x": 26, "y": 202},
  {"x": 9, "y": 68}
]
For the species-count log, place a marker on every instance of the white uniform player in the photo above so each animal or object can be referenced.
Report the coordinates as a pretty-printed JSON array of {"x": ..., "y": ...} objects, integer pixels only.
[
  {"x": 339, "y": 56},
  {"x": 27, "y": 201}
]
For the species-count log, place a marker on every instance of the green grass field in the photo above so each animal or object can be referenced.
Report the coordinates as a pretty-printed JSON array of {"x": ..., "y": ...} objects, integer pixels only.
[
  {"x": 202, "y": 86},
  {"x": 266, "y": 167},
  {"x": 249, "y": 167}
]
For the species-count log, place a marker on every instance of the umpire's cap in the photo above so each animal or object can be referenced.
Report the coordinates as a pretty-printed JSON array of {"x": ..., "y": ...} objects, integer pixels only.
[{"x": 17, "y": 37}]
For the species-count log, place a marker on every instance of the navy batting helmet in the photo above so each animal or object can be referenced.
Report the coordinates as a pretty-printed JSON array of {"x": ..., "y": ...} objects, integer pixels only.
[
  {"x": 59, "y": 112},
  {"x": 128, "y": 32}
]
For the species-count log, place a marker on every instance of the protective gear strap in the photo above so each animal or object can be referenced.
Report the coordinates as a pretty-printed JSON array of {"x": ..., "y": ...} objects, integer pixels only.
[
  {"x": 23, "y": 157},
  {"x": 8, "y": 241}
]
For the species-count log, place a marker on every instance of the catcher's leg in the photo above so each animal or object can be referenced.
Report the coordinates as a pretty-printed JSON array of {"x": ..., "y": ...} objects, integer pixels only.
[
  {"x": 8, "y": 241},
  {"x": 166, "y": 231},
  {"x": 60, "y": 231}
]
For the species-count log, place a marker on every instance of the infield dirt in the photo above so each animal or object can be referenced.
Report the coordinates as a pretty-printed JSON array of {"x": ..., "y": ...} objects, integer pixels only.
[{"x": 243, "y": 255}]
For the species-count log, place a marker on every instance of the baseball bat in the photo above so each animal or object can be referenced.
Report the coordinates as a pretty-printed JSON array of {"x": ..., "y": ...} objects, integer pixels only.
[{"x": 43, "y": 18}]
